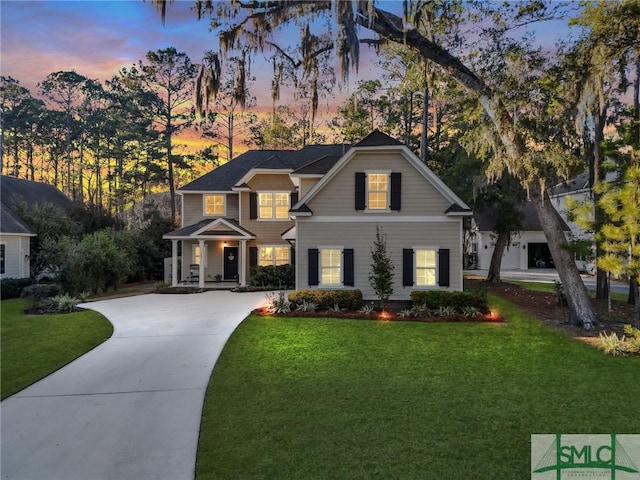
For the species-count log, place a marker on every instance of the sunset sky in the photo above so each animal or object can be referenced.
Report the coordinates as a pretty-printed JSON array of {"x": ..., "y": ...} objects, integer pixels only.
[{"x": 98, "y": 38}]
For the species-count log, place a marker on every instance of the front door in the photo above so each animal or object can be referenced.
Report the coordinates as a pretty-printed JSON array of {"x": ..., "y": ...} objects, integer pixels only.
[{"x": 230, "y": 263}]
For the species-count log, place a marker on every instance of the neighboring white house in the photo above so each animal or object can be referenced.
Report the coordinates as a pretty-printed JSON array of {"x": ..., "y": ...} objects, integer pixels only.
[
  {"x": 379, "y": 182},
  {"x": 15, "y": 246},
  {"x": 528, "y": 248},
  {"x": 15, "y": 236}
]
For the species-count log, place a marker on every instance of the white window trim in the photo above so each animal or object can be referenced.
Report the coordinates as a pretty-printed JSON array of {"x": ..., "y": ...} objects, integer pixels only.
[
  {"x": 415, "y": 266},
  {"x": 331, "y": 285},
  {"x": 203, "y": 255},
  {"x": 366, "y": 192},
  {"x": 204, "y": 205},
  {"x": 273, "y": 259},
  {"x": 273, "y": 205}
]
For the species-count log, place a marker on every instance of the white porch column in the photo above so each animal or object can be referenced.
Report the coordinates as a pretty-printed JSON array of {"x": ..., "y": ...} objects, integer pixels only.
[
  {"x": 203, "y": 256},
  {"x": 243, "y": 263},
  {"x": 174, "y": 263}
]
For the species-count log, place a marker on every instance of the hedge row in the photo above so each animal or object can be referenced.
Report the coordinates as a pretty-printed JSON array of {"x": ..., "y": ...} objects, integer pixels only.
[
  {"x": 12, "y": 287},
  {"x": 434, "y": 299},
  {"x": 325, "y": 299}
]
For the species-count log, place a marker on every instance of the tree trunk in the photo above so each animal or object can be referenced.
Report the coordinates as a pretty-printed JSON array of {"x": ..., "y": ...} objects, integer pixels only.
[
  {"x": 581, "y": 311},
  {"x": 517, "y": 158},
  {"x": 496, "y": 259}
]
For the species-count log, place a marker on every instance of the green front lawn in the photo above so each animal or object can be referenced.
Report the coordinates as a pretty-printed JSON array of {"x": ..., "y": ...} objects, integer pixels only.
[
  {"x": 322, "y": 398},
  {"x": 33, "y": 346}
]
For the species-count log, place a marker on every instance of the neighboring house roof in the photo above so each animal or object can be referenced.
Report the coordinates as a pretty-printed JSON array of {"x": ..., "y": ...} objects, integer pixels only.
[
  {"x": 32, "y": 193},
  {"x": 11, "y": 224},
  {"x": 14, "y": 190},
  {"x": 485, "y": 219},
  {"x": 581, "y": 182}
]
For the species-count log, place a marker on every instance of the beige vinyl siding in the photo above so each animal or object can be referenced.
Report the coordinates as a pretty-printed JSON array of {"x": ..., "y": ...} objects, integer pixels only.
[
  {"x": 360, "y": 236},
  {"x": 16, "y": 265},
  {"x": 306, "y": 184},
  {"x": 193, "y": 208},
  {"x": 213, "y": 264},
  {"x": 267, "y": 232},
  {"x": 419, "y": 197}
]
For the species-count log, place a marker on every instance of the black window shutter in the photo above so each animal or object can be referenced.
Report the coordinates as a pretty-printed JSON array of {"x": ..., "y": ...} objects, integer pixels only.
[
  {"x": 443, "y": 267},
  {"x": 360, "y": 190},
  {"x": 292, "y": 256},
  {"x": 253, "y": 205},
  {"x": 407, "y": 267},
  {"x": 253, "y": 256},
  {"x": 294, "y": 199},
  {"x": 348, "y": 267},
  {"x": 396, "y": 189},
  {"x": 313, "y": 266}
]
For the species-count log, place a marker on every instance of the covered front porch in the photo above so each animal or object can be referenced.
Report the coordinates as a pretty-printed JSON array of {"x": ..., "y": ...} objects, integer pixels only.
[{"x": 213, "y": 252}]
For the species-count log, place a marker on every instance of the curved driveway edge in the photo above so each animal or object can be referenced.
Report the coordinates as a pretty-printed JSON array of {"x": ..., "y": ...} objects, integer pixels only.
[{"x": 129, "y": 409}]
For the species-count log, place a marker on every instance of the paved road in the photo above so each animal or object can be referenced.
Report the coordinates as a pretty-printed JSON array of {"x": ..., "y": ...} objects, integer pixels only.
[
  {"x": 130, "y": 409},
  {"x": 547, "y": 275}
]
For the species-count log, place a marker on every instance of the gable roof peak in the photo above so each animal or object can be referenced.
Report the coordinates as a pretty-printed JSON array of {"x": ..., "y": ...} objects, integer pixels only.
[{"x": 377, "y": 139}]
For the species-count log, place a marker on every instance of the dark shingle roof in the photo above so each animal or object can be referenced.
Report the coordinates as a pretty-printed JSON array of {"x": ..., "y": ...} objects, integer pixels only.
[
  {"x": 486, "y": 219},
  {"x": 189, "y": 229},
  {"x": 578, "y": 183},
  {"x": 377, "y": 139},
  {"x": 226, "y": 176},
  {"x": 10, "y": 223},
  {"x": 311, "y": 153},
  {"x": 15, "y": 190},
  {"x": 319, "y": 166}
]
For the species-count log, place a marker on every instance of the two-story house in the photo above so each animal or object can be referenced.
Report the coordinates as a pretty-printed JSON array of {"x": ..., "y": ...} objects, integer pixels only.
[
  {"x": 234, "y": 216},
  {"x": 324, "y": 202}
]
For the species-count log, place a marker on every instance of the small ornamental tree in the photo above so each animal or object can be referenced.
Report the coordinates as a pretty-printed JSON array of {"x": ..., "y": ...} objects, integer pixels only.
[{"x": 381, "y": 275}]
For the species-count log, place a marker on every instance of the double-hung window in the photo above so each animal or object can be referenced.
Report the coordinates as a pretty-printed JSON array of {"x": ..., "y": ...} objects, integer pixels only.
[
  {"x": 425, "y": 267},
  {"x": 330, "y": 266},
  {"x": 214, "y": 204},
  {"x": 273, "y": 205},
  {"x": 378, "y": 190},
  {"x": 273, "y": 255}
]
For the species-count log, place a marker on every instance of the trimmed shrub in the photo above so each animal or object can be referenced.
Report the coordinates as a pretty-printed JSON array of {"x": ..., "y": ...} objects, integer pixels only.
[
  {"x": 436, "y": 299},
  {"x": 326, "y": 299},
  {"x": 12, "y": 287},
  {"x": 281, "y": 276},
  {"x": 40, "y": 292}
]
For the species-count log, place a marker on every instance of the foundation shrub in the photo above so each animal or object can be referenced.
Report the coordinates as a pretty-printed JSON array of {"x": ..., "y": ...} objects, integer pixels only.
[
  {"x": 437, "y": 299},
  {"x": 281, "y": 276},
  {"x": 326, "y": 299},
  {"x": 12, "y": 287}
]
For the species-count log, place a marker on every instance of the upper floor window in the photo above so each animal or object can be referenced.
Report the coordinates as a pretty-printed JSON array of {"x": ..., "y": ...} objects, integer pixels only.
[
  {"x": 214, "y": 204},
  {"x": 273, "y": 205},
  {"x": 378, "y": 191}
]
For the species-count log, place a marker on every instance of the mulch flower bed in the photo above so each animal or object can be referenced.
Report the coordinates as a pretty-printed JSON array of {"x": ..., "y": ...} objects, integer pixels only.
[{"x": 385, "y": 315}]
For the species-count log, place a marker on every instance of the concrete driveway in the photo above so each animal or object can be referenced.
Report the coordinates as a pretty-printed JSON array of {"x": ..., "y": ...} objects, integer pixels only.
[{"x": 129, "y": 409}]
